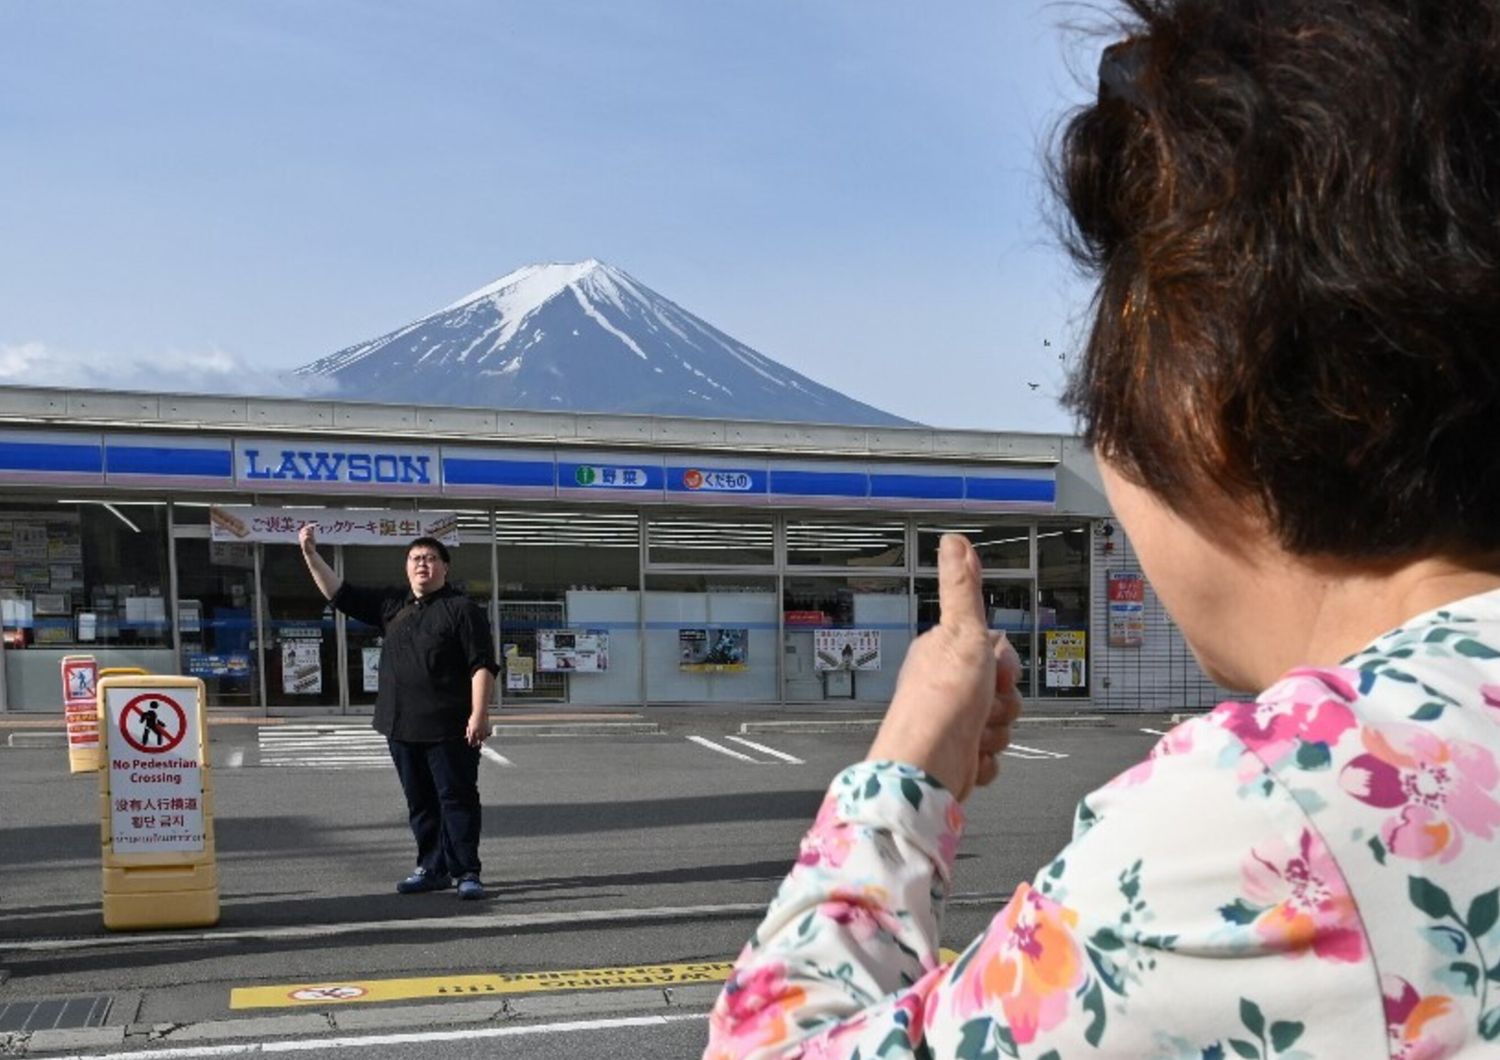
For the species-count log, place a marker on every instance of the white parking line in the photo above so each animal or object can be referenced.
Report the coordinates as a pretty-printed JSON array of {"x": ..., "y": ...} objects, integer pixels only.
[
  {"x": 705, "y": 742},
  {"x": 494, "y": 756},
  {"x": 1154, "y": 732},
  {"x": 763, "y": 749},
  {"x": 1017, "y": 750}
]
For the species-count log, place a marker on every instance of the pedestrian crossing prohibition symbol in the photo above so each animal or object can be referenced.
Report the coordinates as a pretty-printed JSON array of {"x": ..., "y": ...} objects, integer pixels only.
[{"x": 153, "y": 723}]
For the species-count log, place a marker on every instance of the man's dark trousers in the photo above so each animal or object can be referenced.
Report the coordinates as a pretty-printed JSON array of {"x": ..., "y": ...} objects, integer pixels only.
[{"x": 441, "y": 781}]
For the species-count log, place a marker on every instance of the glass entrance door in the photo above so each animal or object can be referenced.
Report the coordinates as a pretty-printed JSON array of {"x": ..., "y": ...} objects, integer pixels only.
[
  {"x": 216, "y": 619},
  {"x": 302, "y": 673}
]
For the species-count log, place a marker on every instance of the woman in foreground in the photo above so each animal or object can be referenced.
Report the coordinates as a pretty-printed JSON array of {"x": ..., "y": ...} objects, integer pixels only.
[{"x": 1292, "y": 384}]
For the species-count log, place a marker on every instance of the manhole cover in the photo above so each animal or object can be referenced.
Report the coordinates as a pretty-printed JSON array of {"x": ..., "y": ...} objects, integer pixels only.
[{"x": 58, "y": 1014}]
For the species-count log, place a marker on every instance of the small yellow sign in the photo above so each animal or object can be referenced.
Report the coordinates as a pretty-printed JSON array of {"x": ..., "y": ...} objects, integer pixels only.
[{"x": 353, "y": 991}]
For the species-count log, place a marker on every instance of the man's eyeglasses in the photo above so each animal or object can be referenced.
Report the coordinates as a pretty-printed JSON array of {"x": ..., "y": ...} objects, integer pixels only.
[{"x": 423, "y": 560}]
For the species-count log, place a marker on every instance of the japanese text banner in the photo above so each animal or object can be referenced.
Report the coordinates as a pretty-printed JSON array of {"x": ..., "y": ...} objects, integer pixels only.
[{"x": 335, "y": 526}]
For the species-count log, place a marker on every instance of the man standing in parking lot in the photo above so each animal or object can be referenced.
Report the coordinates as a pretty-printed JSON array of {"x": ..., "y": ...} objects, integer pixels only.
[{"x": 437, "y": 673}]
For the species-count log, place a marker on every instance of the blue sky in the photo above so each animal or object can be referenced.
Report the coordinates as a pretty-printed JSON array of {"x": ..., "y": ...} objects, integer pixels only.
[{"x": 220, "y": 191}]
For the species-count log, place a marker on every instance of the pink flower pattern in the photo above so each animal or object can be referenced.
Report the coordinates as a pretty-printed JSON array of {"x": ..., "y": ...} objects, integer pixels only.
[
  {"x": 1440, "y": 790},
  {"x": 1371, "y": 842}
]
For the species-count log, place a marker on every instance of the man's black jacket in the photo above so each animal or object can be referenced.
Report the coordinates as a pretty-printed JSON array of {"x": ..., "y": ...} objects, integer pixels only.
[{"x": 433, "y": 646}]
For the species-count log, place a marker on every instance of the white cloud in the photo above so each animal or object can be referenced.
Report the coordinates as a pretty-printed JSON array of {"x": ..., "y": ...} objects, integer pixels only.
[{"x": 213, "y": 371}]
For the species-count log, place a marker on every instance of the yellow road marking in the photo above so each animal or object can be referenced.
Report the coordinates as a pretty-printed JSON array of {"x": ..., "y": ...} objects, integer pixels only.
[{"x": 356, "y": 991}]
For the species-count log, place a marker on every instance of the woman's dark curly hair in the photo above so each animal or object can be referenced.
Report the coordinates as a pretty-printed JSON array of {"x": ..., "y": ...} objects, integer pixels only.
[{"x": 1293, "y": 210}]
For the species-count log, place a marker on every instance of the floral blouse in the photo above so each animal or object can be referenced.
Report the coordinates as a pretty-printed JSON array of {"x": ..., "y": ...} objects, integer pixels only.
[{"x": 1312, "y": 874}]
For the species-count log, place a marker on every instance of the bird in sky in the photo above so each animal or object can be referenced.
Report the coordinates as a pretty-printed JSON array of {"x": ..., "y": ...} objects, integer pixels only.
[
  {"x": 1046, "y": 342},
  {"x": 1033, "y": 385}
]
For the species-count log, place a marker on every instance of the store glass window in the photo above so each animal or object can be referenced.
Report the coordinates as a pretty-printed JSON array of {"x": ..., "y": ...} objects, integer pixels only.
[
  {"x": 84, "y": 574},
  {"x": 1001, "y": 547},
  {"x": 81, "y": 577},
  {"x": 1063, "y": 610},
  {"x": 840, "y": 543},
  {"x": 710, "y": 638},
  {"x": 711, "y": 542},
  {"x": 569, "y": 605},
  {"x": 843, "y": 638}
]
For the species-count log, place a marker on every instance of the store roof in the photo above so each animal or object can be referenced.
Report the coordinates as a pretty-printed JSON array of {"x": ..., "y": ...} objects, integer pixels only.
[{"x": 32, "y": 407}]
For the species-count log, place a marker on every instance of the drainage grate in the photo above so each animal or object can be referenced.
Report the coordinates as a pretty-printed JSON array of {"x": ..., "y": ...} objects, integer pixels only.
[{"x": 63, "y": 1014}]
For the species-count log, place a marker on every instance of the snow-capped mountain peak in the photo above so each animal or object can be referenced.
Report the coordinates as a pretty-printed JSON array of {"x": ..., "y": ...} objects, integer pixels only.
[{"x": 581, "y": 336}]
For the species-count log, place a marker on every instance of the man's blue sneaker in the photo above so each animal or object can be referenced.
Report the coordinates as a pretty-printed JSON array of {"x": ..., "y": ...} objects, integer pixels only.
[
  {"x": 422, "y": 880},
  {"x": 469, "y": 887}
]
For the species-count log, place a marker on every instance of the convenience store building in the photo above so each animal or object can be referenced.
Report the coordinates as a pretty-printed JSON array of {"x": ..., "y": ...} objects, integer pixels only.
[{"x": 624, "y": 560}]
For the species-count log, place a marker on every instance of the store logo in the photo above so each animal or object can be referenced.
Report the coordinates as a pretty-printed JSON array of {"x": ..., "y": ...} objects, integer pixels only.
[
  {"x": 334, "y": 466},
  {"x": 609, "y": 477},
  {"x": 717, "y": 481}
]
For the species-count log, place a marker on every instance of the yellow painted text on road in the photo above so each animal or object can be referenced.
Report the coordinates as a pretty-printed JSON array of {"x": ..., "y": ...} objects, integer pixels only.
[{"x": 354, "y": 991}]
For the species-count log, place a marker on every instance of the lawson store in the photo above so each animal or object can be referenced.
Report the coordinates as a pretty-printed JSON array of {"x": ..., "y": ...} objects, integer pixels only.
[{"x": 624, "y": 560}]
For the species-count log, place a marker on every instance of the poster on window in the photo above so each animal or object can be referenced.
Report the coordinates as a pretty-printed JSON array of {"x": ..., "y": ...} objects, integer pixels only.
[
  {"x": 583, "y": 651},
  {"x": 369, "y": 666},
  {"x": 520, "y": 671},
  {"x": 1127, "y": 610},
  {"x": 302, "y": 667},
  {"x": 846, "y": 649},
  {"x": 713, "y": 649},
  {"x": 1067, "y": 658}
]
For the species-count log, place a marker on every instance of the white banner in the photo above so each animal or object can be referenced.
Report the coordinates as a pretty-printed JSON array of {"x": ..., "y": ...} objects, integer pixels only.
[
  {"x": 335, "y": 526},
  {"x": 846, "y": 649}
]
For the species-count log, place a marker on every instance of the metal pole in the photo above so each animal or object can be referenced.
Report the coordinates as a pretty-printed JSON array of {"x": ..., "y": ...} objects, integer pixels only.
[
  {"x": 260, "y": 628},
  {"x": 341, "y": 638},
  {"x": 173, "y": 588},
  {"x": 497, "y": 696}
]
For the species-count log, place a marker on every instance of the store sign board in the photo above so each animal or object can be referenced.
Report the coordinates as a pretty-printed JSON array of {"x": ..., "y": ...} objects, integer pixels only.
[
  {"x": 699, "y": 481},
  {"x": 335, "y": 526},
  {"x": 274, "y": 463},
  {"x": 1127, "y": 609},
  {"x": 636, "y": 477},
  {"x": 155, "y": 769}
]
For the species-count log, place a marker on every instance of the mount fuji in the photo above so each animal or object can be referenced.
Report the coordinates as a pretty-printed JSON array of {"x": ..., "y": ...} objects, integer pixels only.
[{"x": 581, "y": 337}]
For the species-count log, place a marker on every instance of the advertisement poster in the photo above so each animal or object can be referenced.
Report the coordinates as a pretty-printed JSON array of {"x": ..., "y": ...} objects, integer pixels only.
[
  {"x": 301, "y": 667},
  {"x": 846, "y": 649},
  {"x": 232, "y": 664},
  {"x": 520, "y": 673},
  {"x": 369, "y": 661},
  {"x": 1066, "y": 658},
  {"x": 1127, "y": 610},
  {"x": 713, "y": 649},
  {"x": 584, "y": 651}
]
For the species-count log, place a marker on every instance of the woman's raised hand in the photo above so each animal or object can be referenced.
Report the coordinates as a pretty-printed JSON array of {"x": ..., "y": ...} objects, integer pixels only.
[{"x": 957, "y": 695}]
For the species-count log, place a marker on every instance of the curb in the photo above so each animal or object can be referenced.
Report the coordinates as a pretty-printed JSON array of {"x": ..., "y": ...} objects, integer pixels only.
[
  {"x": 37, "y": 739},
  {"x": 356, "y": 1018}
]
